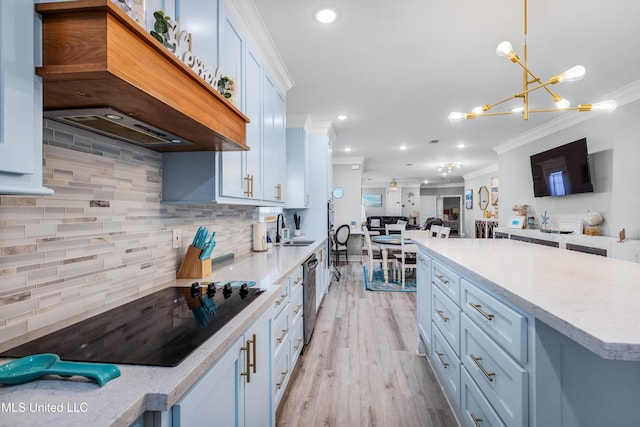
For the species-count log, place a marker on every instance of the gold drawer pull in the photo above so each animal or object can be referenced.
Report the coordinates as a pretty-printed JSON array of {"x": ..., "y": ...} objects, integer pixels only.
[
  {"x": 445, "y": 365},
  {"x": 486, "y": 373},
  {"x": 284, "y": 334},
  {"x": 481, "y": 311},
  {"x": 298, "y": 308},
  {"x": 475, "y": 419},
  {"x": 248, "y": 359},
  {"x": 296, "y": 347},
  {"x": 284, "y": 375},
  {"x": 281, "y": 300},
  {"x": 442, "y": 279},
  {"x": 442, "y": 316}
]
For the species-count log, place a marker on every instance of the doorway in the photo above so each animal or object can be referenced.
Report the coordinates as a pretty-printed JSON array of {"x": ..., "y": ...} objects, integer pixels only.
[{"x": 450, "y": 210}]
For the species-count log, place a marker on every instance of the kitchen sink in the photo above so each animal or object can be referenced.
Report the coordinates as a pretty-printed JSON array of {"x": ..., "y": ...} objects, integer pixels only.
[{"x": 298, "y": 242}]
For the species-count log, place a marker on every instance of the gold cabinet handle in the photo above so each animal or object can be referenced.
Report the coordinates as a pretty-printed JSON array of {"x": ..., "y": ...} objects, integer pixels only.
[
  {"x": 481, "y": 311},
  {"x": 248, "y": 360},
  {"x": 445, "y": 365},
  {"x": 298, "y": 308},
  {"x": 297, "y": 346},
  {"x": 281, "y": 300},
  {"x": 442, "y": 279},
  {"x": 475, "y": 419},
  {"x": 442, "y": 316},
  {"x": 486, "y": 373},
  {"x": 282, "y": 378},
  {"x": 284, "y": 334},
  {"x": 255, "y": 356},
  {"x": 298, "y": 280},
  {"x": 279, "y": 192},
  {"x": 249, "y": 180}
]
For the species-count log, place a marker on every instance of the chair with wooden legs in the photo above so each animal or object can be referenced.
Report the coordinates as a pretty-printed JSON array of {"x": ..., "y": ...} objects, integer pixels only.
[
  {"x": 374, "y": 253},
  {"x": 405, "y": 258}
]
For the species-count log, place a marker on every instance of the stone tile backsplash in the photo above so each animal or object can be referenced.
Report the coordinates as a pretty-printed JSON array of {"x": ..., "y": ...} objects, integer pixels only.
[{"x": 102, "y": 236}]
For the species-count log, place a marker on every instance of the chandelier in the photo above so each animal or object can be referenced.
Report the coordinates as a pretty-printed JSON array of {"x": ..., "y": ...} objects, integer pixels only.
[
  {"x": 530, "y": 83},
  {"x": 448, "y": 167},
  {"x": 394, "y": 185}
]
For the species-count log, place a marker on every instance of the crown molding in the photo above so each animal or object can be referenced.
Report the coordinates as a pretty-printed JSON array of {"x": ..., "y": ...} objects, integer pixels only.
[
  {"x": 246, "y": 12},
  {"x": 322, "y": 127},
  {"x": 355, "y": 160},
  {"x": 480, "y": 172},
  {"x": 625, "y": 95}
]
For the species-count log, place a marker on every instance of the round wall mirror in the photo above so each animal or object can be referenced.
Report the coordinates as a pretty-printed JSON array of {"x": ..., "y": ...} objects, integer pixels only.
[
  {"x": 338, "y": 192},
  {"x": 483, "y": 197}
]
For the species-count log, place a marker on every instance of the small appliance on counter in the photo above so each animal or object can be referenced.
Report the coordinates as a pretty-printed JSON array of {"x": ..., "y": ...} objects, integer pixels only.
[{"x": 260, "y": 236}]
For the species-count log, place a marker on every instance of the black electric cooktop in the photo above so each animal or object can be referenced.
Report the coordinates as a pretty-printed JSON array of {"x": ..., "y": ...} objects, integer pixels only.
[{"x": 159, "y": 329}]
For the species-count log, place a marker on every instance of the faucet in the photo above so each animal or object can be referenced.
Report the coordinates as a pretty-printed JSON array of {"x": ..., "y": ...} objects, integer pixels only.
[{"x": 279, "y": 218}]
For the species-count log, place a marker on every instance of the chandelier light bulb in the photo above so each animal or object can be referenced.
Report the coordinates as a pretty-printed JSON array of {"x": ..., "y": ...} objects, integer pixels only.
[
  {"x": 477, "y": 110},
  {"x": 517, "y": 109},
  {"x": 456, "y": 116},
  {"x": 571, "y": 75},
  {"x": 505, "y": 49},
  {"x": 563, "y": 103},
  {"x": 605, "y": 106}
]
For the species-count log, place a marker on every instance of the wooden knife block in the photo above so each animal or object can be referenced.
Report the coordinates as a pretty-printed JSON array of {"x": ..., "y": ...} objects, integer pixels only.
[{"x": 192, "y": 267}]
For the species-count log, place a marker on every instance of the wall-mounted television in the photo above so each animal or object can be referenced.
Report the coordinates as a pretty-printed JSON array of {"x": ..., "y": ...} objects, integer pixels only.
[
  {"x": 372, "y": 200},
  {"x": 562, "y": 170}
]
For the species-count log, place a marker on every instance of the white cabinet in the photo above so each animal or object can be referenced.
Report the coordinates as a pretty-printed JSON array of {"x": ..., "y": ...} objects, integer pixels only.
[
  {"x": 20, "y": 100},
  {"x": 479, "y": 346},
  {"x": 235, "y": 390},
  {"x": 287, "y": 335},
  {"x": 297, "y": 184},
  {"x": 274, "y": 142}
]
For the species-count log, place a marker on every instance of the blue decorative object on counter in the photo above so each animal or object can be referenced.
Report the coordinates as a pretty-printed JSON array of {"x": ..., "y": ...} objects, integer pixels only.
[{"x": 33, "y": 367}]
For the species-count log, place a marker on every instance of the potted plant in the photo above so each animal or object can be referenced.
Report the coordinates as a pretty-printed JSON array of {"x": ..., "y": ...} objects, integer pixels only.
[{"x": 296, "y": 221}]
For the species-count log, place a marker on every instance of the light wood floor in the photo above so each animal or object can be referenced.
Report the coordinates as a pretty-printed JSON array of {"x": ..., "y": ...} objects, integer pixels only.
[{"x": 361, "y": 367}]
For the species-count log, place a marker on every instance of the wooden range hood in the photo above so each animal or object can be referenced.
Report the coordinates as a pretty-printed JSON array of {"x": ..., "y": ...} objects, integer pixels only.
[{"x": 94, "y": 55}]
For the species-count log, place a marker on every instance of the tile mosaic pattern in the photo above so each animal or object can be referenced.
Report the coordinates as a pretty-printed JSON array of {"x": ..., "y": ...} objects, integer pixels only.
[{"x": 102, "y": 236}]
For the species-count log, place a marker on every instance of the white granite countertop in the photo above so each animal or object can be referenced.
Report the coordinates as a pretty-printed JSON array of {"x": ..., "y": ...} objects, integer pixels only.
[
  {"x": 590, "y": 299},
  {"x": 139, "y": 388}
]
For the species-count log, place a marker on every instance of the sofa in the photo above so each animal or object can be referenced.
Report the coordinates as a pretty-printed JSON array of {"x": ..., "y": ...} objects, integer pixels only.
[{"x": 377, "y": 222}]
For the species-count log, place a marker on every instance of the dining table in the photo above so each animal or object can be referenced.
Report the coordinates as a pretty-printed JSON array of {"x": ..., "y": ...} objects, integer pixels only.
[{"x": 391, "y": 242}]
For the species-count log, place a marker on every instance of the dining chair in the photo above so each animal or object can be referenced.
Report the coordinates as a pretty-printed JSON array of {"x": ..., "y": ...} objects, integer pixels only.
[
  {"x": 394, "y": 228},
  {"x": 374, "y": 253},
  {"x": 341, "y": 240},
  {"x": 434, "y": 231},
  {"x": 444, "y": 232},
  {"x": 405, "y": 258}
]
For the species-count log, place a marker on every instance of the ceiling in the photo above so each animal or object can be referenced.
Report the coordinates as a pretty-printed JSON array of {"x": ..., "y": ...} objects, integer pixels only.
[{"x": 399, "y": 68}]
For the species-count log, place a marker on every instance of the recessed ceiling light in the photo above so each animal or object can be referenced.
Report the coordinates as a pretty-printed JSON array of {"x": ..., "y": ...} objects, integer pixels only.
[
  {"x": 461, "y": 145},
  {"x": 426, "y": 181},
  {"x": 347, "y": 148},
  {"x": 403, "y": 147},
  {"x": 326, "y": 16},
  {"x": 343, "y": 117}
]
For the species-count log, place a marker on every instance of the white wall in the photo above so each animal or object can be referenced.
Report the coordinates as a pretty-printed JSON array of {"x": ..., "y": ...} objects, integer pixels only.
[
  {"x": 347, "y": 208},
  {"x": 474, "y": 183},
  {"x": 613, "y": 142}
]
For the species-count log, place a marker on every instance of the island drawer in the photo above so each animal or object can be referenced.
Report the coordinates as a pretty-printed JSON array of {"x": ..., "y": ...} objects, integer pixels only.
[
  {"x": 297, "y": 306},
  {"x": 476, "y": 409},
  {"x": 503, "y": 381},
  {"x": 504, "y": 325},
  {"x": 447, "y": 364},
  {"x": 446, "y": 280},
  {"x": 446, "y": 316},
  {"x": 297, "y": 342}
]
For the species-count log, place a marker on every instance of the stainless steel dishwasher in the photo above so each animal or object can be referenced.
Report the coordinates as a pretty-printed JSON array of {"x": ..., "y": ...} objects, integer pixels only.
[{"x": 309, "y": 296}]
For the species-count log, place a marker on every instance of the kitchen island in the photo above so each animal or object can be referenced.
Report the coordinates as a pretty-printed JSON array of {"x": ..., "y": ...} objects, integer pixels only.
[
  {"x": 144, "y": 393},
  {"x": 527, "y": 335}
]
